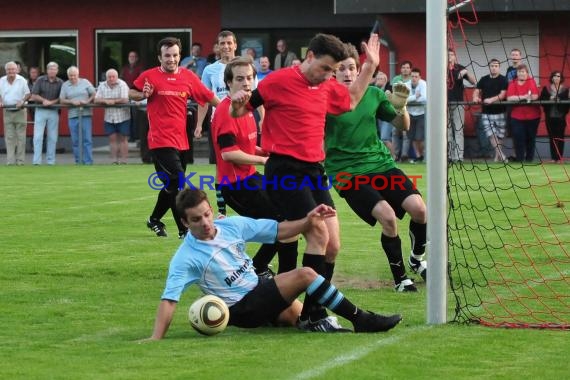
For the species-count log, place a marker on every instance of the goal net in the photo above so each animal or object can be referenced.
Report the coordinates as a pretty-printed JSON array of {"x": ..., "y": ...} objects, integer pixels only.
[{"x": 508, "y": 223}]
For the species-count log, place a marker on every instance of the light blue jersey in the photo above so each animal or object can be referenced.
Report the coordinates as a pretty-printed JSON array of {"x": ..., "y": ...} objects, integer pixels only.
[
  {"x": 213, "y": 78},
  {"x": 219, "y": 266}
]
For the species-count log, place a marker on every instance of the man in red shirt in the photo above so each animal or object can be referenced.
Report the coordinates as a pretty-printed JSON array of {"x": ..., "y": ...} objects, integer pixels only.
[
  {"x": 296, "y": 101},
  {"x": 168, "y": 89},
  {"x": 237, "y": 153}
]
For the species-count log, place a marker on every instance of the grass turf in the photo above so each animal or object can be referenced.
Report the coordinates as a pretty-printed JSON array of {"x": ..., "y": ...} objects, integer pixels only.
[{"x": 82, "y": 276}]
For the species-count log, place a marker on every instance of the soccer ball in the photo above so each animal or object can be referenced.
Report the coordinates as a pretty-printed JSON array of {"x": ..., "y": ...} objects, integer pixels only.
[{"x": 209, "y": 315}]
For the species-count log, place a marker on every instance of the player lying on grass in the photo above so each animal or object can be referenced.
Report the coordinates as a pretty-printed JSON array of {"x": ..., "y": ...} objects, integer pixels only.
[
  {"x": 213, "y": 256},
  {"x": 365, "y": 174}
]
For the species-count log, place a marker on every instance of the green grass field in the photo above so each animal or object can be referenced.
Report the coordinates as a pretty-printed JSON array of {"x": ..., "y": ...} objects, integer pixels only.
[{"x": 82, "y": 276}]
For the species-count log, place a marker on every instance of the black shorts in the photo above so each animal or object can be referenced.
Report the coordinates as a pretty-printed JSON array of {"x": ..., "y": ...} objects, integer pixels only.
[
  {"x": 392, "y": 186},
  {"x": 260, "y": 307},
  {"x": 170, "y": 161},
  {"x": 296, "y": 187},
  {"x": 249, "y": 198}
]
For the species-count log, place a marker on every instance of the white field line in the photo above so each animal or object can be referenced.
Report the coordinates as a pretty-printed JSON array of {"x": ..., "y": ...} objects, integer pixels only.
[{"x": 358, "y": 353}]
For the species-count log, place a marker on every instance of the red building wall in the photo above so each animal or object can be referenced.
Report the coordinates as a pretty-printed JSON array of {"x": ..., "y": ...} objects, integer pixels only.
[{"x": 87, "y": 16}]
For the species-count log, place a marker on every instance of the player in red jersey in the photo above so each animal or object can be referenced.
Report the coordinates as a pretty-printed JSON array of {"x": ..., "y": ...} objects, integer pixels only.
[
  {"x": 296, "y": 101},
  {"x": 237, "y": 153},
  {"x": 167, "y": 89}
]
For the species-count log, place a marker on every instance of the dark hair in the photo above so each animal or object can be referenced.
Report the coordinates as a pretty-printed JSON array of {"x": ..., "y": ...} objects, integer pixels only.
[
  {"x": 197, "y": 44},
  {"x": 327, "y": 44},
  {"x": 189, "y": 198},
  {"x": 409, "y": 63},
  {"x": 416, "y": 70},
  {"x": 556, "y": 72},
  {"x": 494, "y": 60},
  {"x": 352, "y": 53},
  {"x": 236, "y": 62},
  {"x": 226, "y": 33},
  {"x": 168, "y": 42}
]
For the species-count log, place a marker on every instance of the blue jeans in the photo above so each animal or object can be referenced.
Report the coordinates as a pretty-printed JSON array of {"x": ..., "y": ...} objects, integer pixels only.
[
  {"x": 45, "y": 118},
  {"x": 86, "y": 139}
]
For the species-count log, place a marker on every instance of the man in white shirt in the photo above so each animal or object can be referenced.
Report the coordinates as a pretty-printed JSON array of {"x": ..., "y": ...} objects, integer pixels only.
[{"x": 14, "y": 93}]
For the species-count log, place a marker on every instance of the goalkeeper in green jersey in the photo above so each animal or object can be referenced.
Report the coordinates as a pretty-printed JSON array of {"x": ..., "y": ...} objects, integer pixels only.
[{"x": 364, "y": 173}]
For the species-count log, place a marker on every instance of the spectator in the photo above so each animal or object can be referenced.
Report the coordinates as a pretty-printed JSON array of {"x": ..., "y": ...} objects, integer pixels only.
[
  {"x": 264, "y": 68},
  {"x": 491, "y": 90},
  {"x": 14, "y": 93},
  {"x": 555, "y": 114},
  {"x": 416, "y": 134},
  {"x": 214, "y": 55},
  {"x": 132, "y": 69},
  {"x": 253, "y": 55},
  {"x": 284, "y": 57},
  {"x": 195, "y": 62},
  {"x": 78, "y": 92},
  {"x": 114, "y": 91},
  {"x": 400, "y": 140},
  {"x": 33, "y": 75},
  {"x": 525, "y": 117},
  {"x": 205, "y": 258},
  {"x": 384, "y": 127},
  {"x": 456, "y": 74},
  {"x": 46, "y": 92},
  {"x": 129, "y": 73},
  {"x": 516, "y": 58},
  {"x": 296, "y": 62}
]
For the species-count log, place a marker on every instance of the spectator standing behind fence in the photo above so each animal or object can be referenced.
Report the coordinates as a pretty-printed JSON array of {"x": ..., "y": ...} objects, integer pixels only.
[
  {"x": 515, "y": 57},
  {"x": 456, "y": 74},
  {"x": 33, "y": 75},
  {"x": 525, "y": 117},
  {"x": 46, "y": 92},
  {"x": 117, "y": 119},
  {"x": 195, "y": 62},
  {"x": 14, "y": 93},
  {"x": 284, "y": 57},
  {"x": 418, "y": 94},
  {"x": 555, "y": 114},
  {"x": 400, "y": 140},
  {"x": 78, "y": 92},
  {"x": 129, "y": 73},
  {"x": 264, "y": 68},
  {"x": 491, "y": 90},
  {"x": 384, "y": 127}
]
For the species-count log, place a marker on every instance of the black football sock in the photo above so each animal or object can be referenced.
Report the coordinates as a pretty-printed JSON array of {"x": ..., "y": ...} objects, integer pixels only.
[
  {"x": 287, "y": 256},
  {"x": 311, "y": 308},
  {"x": 418, "y": 237},
  {"x": 263, "y": 257},
  {"x": 181, "y": 227},
  {"x": 329, "y": 271},
  {"x": 162, "y": 205},
  {"x": 393, "y": 248},
  {"x": 329, "y": 296}
]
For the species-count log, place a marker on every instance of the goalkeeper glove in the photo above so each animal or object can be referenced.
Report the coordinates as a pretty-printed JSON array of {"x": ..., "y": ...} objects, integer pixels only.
[{"x": 399, "y": 96}]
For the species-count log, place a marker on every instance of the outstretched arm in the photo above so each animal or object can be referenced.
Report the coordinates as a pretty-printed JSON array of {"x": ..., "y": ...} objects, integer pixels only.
[
  {"x": 163, "y": 318},
  {"x": 290, "y": 228},
  {"x": 372, "y": 50}
]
